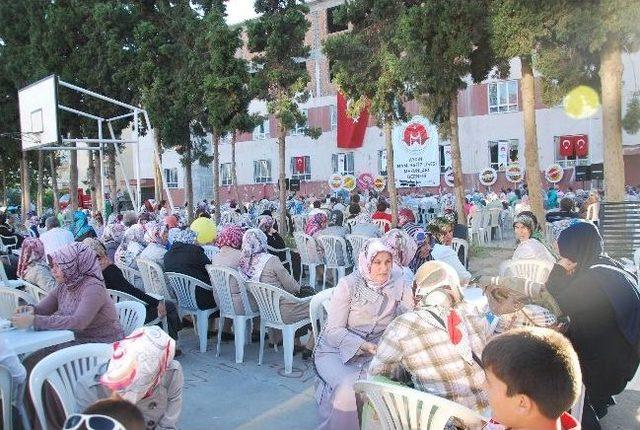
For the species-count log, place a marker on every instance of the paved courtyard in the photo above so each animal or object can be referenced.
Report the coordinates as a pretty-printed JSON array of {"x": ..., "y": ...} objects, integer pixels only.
[{"x": 223, "y": 395}]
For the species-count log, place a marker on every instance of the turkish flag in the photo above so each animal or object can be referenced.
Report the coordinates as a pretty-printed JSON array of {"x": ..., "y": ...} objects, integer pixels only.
[
  {"x": 581, "y": 145},
  {"x": 350, "y": 130},
  {"x": 299, "y": 164},
  {"x": 567, "y": 146}
]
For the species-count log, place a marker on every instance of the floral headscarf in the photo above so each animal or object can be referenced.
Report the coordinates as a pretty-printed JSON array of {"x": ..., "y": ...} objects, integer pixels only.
[
  {"x": 254, "y": 254},
  {"x": 184, "y": 236},
  {"x": 77, "y": 261},
  {"x": 265, "y": 223},
  {"x": 135, "y": 233},
  {"x": 155, "y": 233},
  {"x": 402, "y": 246},
  {"x": 32, "y": 251},
  {"x": 437, "y": 225},
  {"x": 315, "y": 223},
  {"x": 405, "y": 215},
  {"x": 96, "y": 245},
  {"x": 451, "y": 216},
  {"x": 231, "y": 236},
  {"x": 139, "y": 362},
  {"x": 114, "y": 232},
  {"x": 370, "y": 249},
  {"x": 363, "y": 218}
]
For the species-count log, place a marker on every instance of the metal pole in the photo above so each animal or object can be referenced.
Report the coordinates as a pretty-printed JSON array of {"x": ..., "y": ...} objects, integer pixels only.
[
  {"x": 159, "y": 162},
  {"x": 78, "y": 112},
  {"x": 104, "y": 207},
  {"x": 124, "y": 175},
  {"x": 98, "y": 141},
  {"x": 135, "y": 131},
  {"x": 96, "y": 95}
]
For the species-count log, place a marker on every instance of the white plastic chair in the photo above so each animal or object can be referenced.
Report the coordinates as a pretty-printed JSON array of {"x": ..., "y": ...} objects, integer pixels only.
[
  {"x": 132, "y": 276},
  {"x": 456, "y": 243},
  {"x": 486, "y": 225},
  {"x": 211, "y": 251},
  {"x": 6, "y": 393},
  {"x": 383, "y": 224},
  {"x": 333, "y": 246},
  {"x": 34, "y": 291},
  {"x": 299, "y": 222},
  {"x": 184, "y": 287},
  {"x": 268, "y": 299},
  {"x": 221, "y": 281},
  {"x": 350, "y": 223},
  {"x": 62, "y": 369},
  {"x": 119, "y": 296},
  {"x": 494, "y": 222},
  {"x": 476, "y": 227},
  {"x": 287, "y": 251},
  {"x": 533, "y": 270},
  {"x": 318, "y": 310},
  {"x": 593, "y": 213},
  {"x": 636, "y": 261},
  {"x": 155, "y": 281},
  {"x": 131, "y": 315},
  {"x": 6, "y": 282},
  {"x": 400, "y": 407},
  {"x": 356, "y": 241},
  {"x": 8, "y": 243},
  {"x": 10, "y": 299},
  {"x": 308, "y": 256}
]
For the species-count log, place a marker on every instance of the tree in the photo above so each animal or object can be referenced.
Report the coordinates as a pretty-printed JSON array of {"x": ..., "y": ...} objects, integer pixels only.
[
  {"x": 445, "y": 41},
  {"x": 280, "y": 76},
  {"x": 367, "y": 67}
]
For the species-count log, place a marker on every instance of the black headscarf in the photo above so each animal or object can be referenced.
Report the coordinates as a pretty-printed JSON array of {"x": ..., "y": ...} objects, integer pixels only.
[{"x": 582, "y": 244}]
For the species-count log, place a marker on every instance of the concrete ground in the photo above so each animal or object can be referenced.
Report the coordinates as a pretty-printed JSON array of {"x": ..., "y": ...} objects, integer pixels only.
[{"x": 222, "y": 395}]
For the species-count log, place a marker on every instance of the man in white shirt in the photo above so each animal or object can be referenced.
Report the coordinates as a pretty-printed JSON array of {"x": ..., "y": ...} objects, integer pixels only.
[{"x": 55, "y": 237}]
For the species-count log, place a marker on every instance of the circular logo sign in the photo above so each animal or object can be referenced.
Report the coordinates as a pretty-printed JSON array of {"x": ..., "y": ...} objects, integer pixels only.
[
  {"x": 349, "y": 182},
  {"x": 488, "y": 177},
  {"x": 514, "y": 173},
  {"x": 335, "y": 182},
  {"x": 554, "y": 173},
  {"x": 448, "y": 177},
  {"x": 416, "y": 134},
  {"x": 365, "y": 181},
  {"x": 379, "y": 183}
]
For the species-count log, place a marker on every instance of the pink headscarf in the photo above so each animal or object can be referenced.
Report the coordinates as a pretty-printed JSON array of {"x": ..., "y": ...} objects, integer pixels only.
[
  {"x": 171, "y": 221},
  {"x": 402, "y": 245},
  {"x": 77, "y": 261},
  {"x": 231, "y": 236},
  {"x": 368, "y": 252},
  {"x": 32, "y": 251},
  {"x": 316, "y": 223}
]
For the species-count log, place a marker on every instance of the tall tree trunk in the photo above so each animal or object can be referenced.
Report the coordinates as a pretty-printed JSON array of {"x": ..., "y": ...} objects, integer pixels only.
[
  {"x": 91, "y": 179},
  {"x": 456, "y": 159},
  {"x": 73, "y": 179},
  {"x": 111, "y": 177},
  {"x": 216, "y": 174},
  {"x": 40, "y": 195},
  {"x": 391, "y": 176},
  {"x": 282, "y": 183},
  {"x": 157, "y": 177},
  {"x": 26, "y": 192},
  {"x": 3, "y": 178},
  {"x": 234, "y": 172},
  {"x": 534, "y": 178},
  {"x": 611, "y": 83},
  {"x": 54, "y": 182},
  {"x": 188, "y": 185}
]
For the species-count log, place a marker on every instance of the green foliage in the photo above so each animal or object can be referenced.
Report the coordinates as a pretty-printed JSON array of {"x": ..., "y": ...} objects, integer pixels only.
[{"x": 631, "y": 120}]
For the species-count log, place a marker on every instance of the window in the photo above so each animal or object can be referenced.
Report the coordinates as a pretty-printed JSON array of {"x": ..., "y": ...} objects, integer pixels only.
[
  {"x": 332, "y": 25},
  {"x": 261, "y": 132},
  {"x": 333, "y": 117},
  {"x": 305, "y": 175},
  {"x": 503, "y": 96},
  {"x": 225, "y": 174},
  {"x": 343, "y": 163},
  {"x": 262, "y": 171},
  {"x": 171, "y": 176},
  {"x": 445, "y": 157},
  {"x": 382, "y": 162},
  {"x": 300, "y": 128},
  {"x": 502, "y": 153},
  {"x": 568, "y": 161}
]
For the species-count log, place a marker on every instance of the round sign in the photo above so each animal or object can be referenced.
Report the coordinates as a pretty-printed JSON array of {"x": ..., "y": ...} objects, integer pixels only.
[
  {"x": 417, "y": 134},
  {"x": 448, "y": 177},
  {"x": 554, "y": 173},
  {"x": 349, "y": 182},
  {"x": 488, "y": 176},
  {"x": 335, "y": 182},
  {"x": 379, "y": 183},
  {"x": 514, "y": 173},
  {"x": 365, "y": 181}
]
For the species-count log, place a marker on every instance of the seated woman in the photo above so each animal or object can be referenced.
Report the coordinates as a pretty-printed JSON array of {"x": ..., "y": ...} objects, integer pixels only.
[
  {"x": 142, "y": 370},
  {"x": 335, "y": 228},
  {"x": 459, "y": 231},
  {"x": 266, "y": 223},
  {"x": 362, "y": 306},
  {"x": 404, "y": 249},
  {"x": 115, "y": 280},
  {"x": 97, "y": 222},
  {"x": 187, "y": 258},
  {"x": 602, "y": 302},
  {"x": 315, "y": 224},
  {"x": 81, "y": 228},
  {"x": 362, "y": 223},
  {"x": 157, "y": 238},
  {"x": 442, "y": 230},
  {"x": 131, "y": 246},
  {"x": 530, "y": 245},
  {"x": 112, "y": 237},
  {"x": 32, "y": 266},
  {"x": 567, "y": 211}
]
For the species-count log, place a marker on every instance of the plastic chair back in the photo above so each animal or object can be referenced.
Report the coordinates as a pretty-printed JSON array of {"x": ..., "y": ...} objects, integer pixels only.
[
  {"x": 10, "y": 299},
  {"x": 334, "y": 247},
  {"x": 131, "y": 275},
  {"x": 456, "y": 243},
  {"x": 306, "y": 248},
  {"x": 131, "y": 315},
  {"x": 184, "y": 287},
  {"x": 211, "y": 251},
  {"x": 299, "y": 222},
  {"x": 62, "y": 369},
  {"x": 6, "y": 393},
  {"x": 154, "y": 279},
  {"x": 318, "y": 310},
  {"x": 356, "y": 242},
  {"x": 383, "y": 225},
  {"x": 533, "y": 270},
  {"x": 118, "y": 296},
  {"x": 268, "y": 299},
  {"x": 221, "y": 282},
  {"x": 592, "y": 212}
]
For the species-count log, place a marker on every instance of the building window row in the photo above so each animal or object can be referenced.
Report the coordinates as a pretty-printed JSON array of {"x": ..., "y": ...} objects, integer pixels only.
[
  {"x": 171, "y": 176},
  {"x": 503, "y": 96}
]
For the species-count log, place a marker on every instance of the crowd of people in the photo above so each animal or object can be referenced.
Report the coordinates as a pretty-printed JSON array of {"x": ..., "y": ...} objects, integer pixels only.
[{"x": 399, "y": 316}]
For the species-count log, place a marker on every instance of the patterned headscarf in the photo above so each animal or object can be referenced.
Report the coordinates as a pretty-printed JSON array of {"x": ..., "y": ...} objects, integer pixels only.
[
  {"x": 363, "y": 218},
  {"x": 254, "y": 253},
  {"x": 139, "y": 362},
  {"x": 155, "y": 233},
  {"x": 135, "y": 233},
  {"x": 437, "y": 225},
  {"x": 32, "y": 251},
  {"x": 315, "y": 223},
  {"x": 416, "y": 232},
  {"x": 405, "y": 215},
  {"x": 81, "y": 225},
  {"x": 402, "y": 245},
  {"x": 265, "y": 223},
  {"x": 434, "y": 275},
  {"x": 114, "y": 232},
  {"x": 231, "y": 236},
  {"x": 184, "y": 236},
  {"x": 527, "y": 221},
  {"x": 76, "y": 261},
  {"x": 370, "y": 249},
  {"x": 451, "y": 216},
  {"x": 96, "y": 245}
]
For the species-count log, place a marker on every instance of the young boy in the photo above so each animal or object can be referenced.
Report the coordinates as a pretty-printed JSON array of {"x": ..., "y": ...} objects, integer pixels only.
[{"x": 533, "y": 377}]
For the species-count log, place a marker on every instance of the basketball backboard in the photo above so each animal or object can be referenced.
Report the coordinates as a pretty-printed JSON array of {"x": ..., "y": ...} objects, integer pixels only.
[{"x": 38, "y": 105}]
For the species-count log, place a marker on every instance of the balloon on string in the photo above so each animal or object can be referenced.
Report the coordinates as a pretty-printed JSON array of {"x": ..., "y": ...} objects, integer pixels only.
[
  {"x": 581, "y": 102},
  {"x": 205, "y": 229}
]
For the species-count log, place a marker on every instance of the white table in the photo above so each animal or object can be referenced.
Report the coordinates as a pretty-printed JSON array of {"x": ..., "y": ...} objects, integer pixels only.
[{"x": 27, "y": 341}]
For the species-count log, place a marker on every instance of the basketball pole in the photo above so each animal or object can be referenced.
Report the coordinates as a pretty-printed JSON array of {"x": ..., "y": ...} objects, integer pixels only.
[
  {"x": 102, "y": 200},
  {"x": 137, "y": 157}
]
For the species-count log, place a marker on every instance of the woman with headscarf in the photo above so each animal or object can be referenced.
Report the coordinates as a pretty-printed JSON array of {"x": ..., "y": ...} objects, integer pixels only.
[
  {"x": 157, "y": 238},
  {"x": 266, "y": 223},
  {"x": 81, "y": 228},
  {"x": 187, "y": 258},
  {"x": 404, "y": 249},
  {"x": 32, "y": 266},
  {"x": 424, "y": 240},
  {"x": 442, "y": 229},
  {"x": 363, "y": 225},
  {"x": 143, "y": 371},
  {"x": 316, "y": 223},
  {"x": 523, "y": 205},
  {"x": 362, "y": 306},
  {"x": 602, "y": 302},
  {"x": 112, "y": 237},
  {"x": 530, "y": 242},
  {"x": 131, "y": 246},
  {"x": 97, "y": 222}
]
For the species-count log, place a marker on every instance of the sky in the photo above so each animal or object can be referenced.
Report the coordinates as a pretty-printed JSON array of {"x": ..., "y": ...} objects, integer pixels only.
[{"x": 239, "y": 10}]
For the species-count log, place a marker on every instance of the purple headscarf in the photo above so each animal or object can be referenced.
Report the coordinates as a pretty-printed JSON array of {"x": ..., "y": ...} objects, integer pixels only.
[
  {"x": 402, "y": 245},
  {"x": 265, "y": 223},
  {"x": 231, "y": 236},
  {"x": 316, "y": 223},
  {"x": 77, "y": 261}
]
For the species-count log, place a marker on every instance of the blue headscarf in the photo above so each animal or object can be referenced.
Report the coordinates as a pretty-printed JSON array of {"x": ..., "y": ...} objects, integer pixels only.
[{"x": 81, "y": 224}]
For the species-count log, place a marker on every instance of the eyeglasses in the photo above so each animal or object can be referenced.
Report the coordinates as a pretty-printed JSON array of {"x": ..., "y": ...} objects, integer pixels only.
[{"x": 93, "y": 422}]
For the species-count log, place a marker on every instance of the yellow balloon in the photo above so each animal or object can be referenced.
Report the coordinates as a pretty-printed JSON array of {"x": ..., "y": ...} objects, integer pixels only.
[
  {"x": 581, "y": 102},
  {"x": 206, "y": 230}
]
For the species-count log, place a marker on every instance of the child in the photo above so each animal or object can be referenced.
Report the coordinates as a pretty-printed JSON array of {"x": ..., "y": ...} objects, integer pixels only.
[
  {"x": 533, "y": 377},
  {"x": 112, "y": 413}
]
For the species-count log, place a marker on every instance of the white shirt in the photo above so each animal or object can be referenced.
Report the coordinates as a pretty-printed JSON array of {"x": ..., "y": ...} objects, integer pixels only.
[
  {"x": 55, "y": 239},
  {"x": 447, "y": 255},
  {"x": 314, "y": 211}
]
